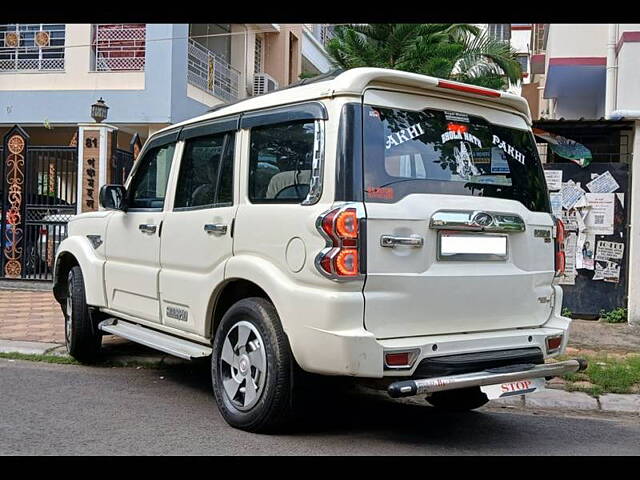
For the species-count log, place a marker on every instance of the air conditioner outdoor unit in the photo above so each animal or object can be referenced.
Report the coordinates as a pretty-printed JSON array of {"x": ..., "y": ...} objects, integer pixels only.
[{"x": 263, "y": 83}]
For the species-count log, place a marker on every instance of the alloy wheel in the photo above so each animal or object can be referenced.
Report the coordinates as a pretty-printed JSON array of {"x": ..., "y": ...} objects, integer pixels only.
[{"x": 243, "y": 365}]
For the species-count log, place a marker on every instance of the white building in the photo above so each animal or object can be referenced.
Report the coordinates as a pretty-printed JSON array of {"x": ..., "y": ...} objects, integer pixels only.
[
  {"x": 591, "y": 72},
  {"x": 518, "y": 35}
]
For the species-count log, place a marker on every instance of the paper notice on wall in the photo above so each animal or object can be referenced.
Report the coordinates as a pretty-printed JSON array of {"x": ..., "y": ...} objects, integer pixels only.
[
  {"x": 604, "y": 183},
  {"x": 571, "y": 194},
  {"x": 607, "y": 271},
  {"x": 556, "y": 203},
  {"x": 607, "y": 251},
  {"x": 585, "y": 249},
  {"x": 569, "y": 277},
  {"x": 554, "y": 179},
  {"x": 620, "y": 198},
  {"x": 569, "y": 218},
  {"x": 599, "y": 219}
]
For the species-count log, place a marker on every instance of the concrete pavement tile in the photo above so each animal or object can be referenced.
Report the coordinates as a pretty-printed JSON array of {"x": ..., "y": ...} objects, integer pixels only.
[
  {"x": 561, "y": 399},
  {"x": 615, "y": 402},
  {"x": 38, "y": 348},
  {"x": 514, "y": 400}
]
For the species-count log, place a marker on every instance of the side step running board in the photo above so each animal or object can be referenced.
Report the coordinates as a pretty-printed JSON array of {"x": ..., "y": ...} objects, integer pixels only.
[{"x": 154, "y": 339}]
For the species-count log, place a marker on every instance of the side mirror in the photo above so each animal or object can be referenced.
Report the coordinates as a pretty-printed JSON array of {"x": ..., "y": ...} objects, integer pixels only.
[{"x": 113, "y": 197}]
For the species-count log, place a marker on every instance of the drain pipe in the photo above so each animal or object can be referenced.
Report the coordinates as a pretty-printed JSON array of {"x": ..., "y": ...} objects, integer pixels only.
[{"x": 610, "y": 88}]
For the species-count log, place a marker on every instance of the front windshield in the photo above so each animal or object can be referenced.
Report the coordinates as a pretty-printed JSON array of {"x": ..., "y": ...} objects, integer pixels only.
[{"x": 445, "y": 152}]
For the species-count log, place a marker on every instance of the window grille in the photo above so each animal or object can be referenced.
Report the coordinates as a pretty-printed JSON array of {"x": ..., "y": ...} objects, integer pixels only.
[
  {"x": 32, "y": 47},
  {"x": 257, "y": 65},
  {"x": 119, "y": 47},
  {"x": 500, "y": 31}
]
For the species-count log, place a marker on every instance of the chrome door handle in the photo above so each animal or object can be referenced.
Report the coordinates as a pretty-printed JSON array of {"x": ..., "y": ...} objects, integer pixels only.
[
  {"x": 146, "y": 228},
  {"x": 215, "y": 228},
  {"x": 392, "y": 241}
]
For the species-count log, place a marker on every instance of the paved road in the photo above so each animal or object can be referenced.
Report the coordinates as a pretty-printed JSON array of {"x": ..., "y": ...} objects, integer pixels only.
[{"x": 71, "y": 410}]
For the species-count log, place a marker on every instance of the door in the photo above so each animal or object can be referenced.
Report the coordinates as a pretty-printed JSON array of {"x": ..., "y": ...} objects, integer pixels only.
[
  {"x": 133, "y": 238},
  {"x": 196, "y": 235},
  {"x": 459, "y": 234}
]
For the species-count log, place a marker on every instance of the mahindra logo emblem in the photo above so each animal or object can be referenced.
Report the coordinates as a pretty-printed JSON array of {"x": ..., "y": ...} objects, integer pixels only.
[{"x": 482, "y": 219}]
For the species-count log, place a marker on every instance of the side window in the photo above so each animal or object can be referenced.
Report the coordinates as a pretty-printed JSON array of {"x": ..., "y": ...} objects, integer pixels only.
[
  {"x": 280, "y": 162},
  {"x": 206, "y": 172},
  {"x": 149, "y": 185}
]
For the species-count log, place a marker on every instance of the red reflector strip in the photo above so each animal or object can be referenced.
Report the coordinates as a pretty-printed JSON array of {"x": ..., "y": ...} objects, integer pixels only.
[
  {"x": 553, "y": 343},
  {"x": 468, "y": 89},
  {"x": 397, "y": 359}
]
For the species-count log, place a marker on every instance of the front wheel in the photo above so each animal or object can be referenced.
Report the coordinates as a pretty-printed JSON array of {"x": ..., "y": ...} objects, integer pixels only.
[
  {"x": 251, "y": 367},
  {"x": 83, "y": 342},
  {"x": 460, "y": 400}
]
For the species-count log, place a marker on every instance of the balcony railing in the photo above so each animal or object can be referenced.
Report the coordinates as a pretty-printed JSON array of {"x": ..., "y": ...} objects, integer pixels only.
[
  {"x": 322, "y": 33},
  {"x": 119, "y": 47},
  {"x": 211, "y": 73},
  {"x": 31, "y": 47}
]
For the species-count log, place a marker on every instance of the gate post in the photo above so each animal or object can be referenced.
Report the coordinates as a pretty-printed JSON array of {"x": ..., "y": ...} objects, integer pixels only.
[
  {"x": 96, "y": 147},
  {"x": 16, "y": 142},
  {"x": 634, "y": 233}
]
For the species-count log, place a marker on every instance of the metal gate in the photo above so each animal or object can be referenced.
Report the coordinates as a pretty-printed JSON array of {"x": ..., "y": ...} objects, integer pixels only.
[
  {"x": 122, "y": 163},
  {"x": 39, "y": 191}
]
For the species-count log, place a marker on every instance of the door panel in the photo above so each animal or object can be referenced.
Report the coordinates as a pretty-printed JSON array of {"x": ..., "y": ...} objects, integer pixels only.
[
  {"x": 133, "y": 238},
  {"x": 133, "y": 261},
  {"x": 196, "y": 235},
  {"x": 192, "y": 265}
]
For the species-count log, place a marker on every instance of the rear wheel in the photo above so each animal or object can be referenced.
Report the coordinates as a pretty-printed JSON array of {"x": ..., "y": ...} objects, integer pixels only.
[
  {"x": 251, "y": 367},
  {"x": 460, "y": 400},
  {"x": 83, "y": 342}
]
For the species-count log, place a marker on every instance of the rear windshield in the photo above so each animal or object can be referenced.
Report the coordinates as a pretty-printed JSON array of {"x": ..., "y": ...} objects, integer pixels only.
[{"x": 435, "y": 151}]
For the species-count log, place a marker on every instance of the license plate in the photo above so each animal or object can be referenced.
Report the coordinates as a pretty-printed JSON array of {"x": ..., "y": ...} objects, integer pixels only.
[
  {"x": 508, "y": 389},
  {"x": 457, "y": 246}
]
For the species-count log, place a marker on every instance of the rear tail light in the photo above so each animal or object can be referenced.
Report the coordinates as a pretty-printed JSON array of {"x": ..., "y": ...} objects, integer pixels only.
[
  {"x": 340, "y": 259},
  {"x": 560, "y": 259},
  {"x": 553, "y": 343}
]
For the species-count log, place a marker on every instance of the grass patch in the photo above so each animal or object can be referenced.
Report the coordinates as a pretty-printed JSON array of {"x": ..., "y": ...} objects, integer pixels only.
[
  {"x": 104, "y": 362},
  {"x": 32, "y": 357},
  {"x": 608, "y": 374}
]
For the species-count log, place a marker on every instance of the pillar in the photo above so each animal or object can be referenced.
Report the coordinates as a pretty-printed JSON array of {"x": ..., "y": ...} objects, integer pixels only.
[
  {"x": 95, "y": 151},
  {"x": 634, "y": 232}
]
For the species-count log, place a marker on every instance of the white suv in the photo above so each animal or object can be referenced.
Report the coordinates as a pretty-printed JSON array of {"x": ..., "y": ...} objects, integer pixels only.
[{"x": 378, "y": 224}]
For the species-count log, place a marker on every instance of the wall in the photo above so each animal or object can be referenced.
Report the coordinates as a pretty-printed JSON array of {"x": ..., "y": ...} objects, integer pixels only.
[
  {"x": 276, "y": 62},
  {"x": 163, "y": 100},
  {"x": 628, "y": 73},
  {"x": 568, "y": 40}
]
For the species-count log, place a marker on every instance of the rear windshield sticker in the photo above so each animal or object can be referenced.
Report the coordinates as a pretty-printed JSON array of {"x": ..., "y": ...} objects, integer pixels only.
[
  {"x": 460, "y": 135},
  {"x": 382, "y": 192},
  {"x": 499, "y": 162},
  {"x": 508, "y": 149},
  {"x": 456, "y": 117},
  {"x": 404, "y": 135},
  {"x": 464, "y": 161}
]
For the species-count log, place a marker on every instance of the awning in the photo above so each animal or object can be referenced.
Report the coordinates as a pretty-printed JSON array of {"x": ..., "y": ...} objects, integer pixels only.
[{"x": 565, "y": 147}]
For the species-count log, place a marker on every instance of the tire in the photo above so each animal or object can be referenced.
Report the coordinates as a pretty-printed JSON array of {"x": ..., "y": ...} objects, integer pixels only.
[
  {"x": 82, "y": 339},
  {"x": 251, "y": 353},
  {"x": 460, "y": 400}
]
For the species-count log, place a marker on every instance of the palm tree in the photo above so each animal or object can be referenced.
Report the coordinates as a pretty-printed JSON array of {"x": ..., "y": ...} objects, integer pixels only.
[{"x": 455, "y": 51}]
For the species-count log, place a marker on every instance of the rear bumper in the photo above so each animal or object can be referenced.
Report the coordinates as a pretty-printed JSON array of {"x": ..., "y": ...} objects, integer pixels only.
[
  {"x": 358, "y": 353},
  {"x": 407, "y": 388}
]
